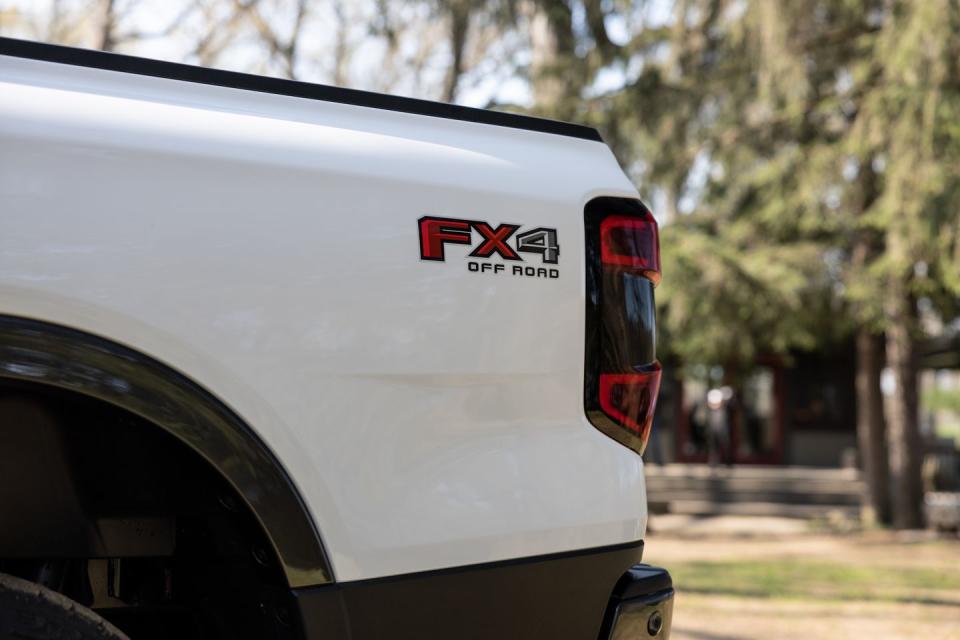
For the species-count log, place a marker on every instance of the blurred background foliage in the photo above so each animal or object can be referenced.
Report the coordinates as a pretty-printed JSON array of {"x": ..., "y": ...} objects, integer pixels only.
[{"x": 803, "y": 158}]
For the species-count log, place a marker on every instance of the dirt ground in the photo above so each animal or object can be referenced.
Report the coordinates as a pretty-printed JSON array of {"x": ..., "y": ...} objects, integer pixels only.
[{"x": 765, "y": 578}]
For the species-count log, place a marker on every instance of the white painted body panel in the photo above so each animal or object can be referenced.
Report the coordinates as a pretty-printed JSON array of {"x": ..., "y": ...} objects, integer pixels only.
[{"x": 266, "y": 246}]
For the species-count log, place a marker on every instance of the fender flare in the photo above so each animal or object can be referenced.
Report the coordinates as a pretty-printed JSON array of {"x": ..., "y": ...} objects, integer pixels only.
[{"x": 58, "y": 356}]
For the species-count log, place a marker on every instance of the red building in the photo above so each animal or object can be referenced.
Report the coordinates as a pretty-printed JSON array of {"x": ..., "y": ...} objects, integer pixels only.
[{"x": 797, "y": 411}]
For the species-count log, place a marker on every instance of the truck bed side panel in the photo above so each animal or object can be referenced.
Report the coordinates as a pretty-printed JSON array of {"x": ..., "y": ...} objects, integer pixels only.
[{"x": 267, "y": 247}]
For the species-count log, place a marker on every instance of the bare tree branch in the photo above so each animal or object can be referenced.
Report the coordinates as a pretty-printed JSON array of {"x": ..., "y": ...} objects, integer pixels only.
[
  {"x": 283, "y": 48},
  {"x": 596, "y": 20},
  {"x": 214, "y": 41},
  {"x": 341, "y": 47},
  {"x": 172, "y": 26}
]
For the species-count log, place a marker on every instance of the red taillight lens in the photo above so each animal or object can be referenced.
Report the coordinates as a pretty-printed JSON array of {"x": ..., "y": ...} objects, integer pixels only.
[
  {"x": 630, "y": 399},
  {"x": 631, "y": 242},
  {"x": 622, "y": 375}
]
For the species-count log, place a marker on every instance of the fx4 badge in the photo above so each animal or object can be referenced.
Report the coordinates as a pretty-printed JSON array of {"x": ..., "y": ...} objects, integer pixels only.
[{"x": 436, "y": 233}]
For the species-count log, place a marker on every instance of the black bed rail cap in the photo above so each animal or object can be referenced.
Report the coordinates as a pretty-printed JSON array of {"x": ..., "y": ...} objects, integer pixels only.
[{"x": 265, "y": 84}]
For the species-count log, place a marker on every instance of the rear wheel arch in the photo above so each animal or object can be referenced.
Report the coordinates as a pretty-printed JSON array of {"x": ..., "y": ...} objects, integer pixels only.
[{"x": 56, "y": 357}]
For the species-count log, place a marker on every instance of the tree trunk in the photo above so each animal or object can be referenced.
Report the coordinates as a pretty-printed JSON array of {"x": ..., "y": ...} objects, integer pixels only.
[
  {"x": 871, "y": 424},
  {"x": 459, "y": 13},
  {"x": 871, "y": 429},
  {"x": 903, "y": 425},
  {"x": 106, "y": 42},
  {"x": 555, "y": 75}
]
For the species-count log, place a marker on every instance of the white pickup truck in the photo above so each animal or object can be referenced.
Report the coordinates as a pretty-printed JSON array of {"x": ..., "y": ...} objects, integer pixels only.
[{"x": 281, "y": 360}]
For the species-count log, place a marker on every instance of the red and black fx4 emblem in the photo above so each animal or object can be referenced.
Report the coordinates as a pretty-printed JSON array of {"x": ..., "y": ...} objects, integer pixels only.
[{"x": 502, "y": 240}]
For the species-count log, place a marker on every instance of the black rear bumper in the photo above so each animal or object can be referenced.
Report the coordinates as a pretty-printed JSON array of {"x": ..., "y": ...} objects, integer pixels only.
[
  {"x": 569, "y": 596},
  {"x": 641, "y": 606}
]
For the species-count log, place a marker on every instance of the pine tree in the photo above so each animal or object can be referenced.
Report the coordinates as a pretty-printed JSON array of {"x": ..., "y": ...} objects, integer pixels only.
[{"x": 805, "y": 159}]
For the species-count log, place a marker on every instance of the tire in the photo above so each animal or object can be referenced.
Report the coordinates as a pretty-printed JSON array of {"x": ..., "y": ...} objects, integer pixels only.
[{"x": 29, "y": 611}]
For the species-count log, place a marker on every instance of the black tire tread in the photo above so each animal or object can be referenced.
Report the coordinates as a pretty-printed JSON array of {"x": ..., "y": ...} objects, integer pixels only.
[{"x": 30, "y": 611}]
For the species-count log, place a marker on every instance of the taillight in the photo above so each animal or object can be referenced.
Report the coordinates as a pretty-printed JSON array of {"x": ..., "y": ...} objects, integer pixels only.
[
  {"x": 633, "y": 243},
  {"x": 622, "y": 375}
]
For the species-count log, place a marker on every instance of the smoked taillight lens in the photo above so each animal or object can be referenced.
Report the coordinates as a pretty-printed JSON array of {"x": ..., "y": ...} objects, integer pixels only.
[{"x": 622, "y": 375}]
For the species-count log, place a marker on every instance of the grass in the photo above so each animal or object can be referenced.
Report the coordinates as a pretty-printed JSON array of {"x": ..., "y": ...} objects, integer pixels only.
[
  {"x": 762, "y": 584},
  {"x": 949, "y": 430},
  {"x": 811, "y": 579}
]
